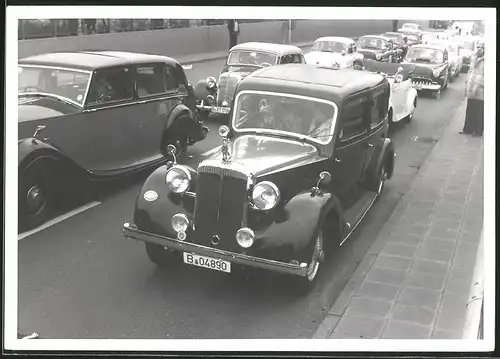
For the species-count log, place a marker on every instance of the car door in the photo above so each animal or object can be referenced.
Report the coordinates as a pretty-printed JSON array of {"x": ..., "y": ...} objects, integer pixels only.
[
  {"x": 377, "y": 111},
  {"x": 350, "y": 148},
  {"x": 102, "y": 137},
  {"x": 398, "y": 98},
  {"x": 157, "y": 92}
]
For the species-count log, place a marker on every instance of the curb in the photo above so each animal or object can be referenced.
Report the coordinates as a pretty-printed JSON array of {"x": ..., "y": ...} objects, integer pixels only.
[
  {"x": 474, "y": 317},
  {"x": 338, "y": 308}
]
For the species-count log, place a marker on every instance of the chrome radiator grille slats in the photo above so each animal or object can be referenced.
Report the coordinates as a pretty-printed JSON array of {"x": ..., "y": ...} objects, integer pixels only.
[{"x": 227, "y": 86}]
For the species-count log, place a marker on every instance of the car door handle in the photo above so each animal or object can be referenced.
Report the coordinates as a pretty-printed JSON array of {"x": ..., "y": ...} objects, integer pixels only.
[
  {"x": 370, "y": 144},
  {"x": 338, "y": 160}
]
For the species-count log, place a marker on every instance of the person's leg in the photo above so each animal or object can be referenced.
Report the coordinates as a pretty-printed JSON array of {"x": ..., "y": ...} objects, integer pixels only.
[
  {"x": 469, "y": 117},
  {"x": 479, "y": 120}
]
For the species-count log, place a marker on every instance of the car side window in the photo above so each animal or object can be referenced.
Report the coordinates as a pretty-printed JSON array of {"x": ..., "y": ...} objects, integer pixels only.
[
  {"x": 150, "y": 80},
  {"x": 172, "y": 85},
  {"x": 287, "y": 59},
  {"x": 378, "y": 108},
  {"x": 353, "y": 119},
  {"x": 111, "y": 85}
]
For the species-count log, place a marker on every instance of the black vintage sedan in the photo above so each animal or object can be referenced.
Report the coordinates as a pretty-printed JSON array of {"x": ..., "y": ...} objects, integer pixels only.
[
  {"x": 305, "y": 157},
  {"x": 243, "y": 59},
  {"x": 431, "y": 71},
  {"x": 94, "y": 116},
  {"x": 377, "y": 47}
]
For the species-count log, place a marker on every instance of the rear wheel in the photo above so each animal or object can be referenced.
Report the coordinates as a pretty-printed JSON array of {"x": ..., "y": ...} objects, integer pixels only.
[{"x": 35, "y": 197}]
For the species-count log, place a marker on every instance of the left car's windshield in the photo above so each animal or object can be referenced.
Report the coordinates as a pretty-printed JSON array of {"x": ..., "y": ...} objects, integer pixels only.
[
  {"x": 329, "y": 46},
  {"x": 68, "y": 84},
  {"x": 287, "y": 114},
  {"x": 252, "y": 58}
]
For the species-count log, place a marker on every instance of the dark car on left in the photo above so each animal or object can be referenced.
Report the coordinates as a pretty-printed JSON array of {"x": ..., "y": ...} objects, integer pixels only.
[{"x": 84, "y": 117}]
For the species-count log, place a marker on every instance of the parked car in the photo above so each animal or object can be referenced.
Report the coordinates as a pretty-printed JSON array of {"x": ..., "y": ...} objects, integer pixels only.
[
  {"x": 92, "y": 116},
  {"x": 243, "y": 59},
  {"x": 412, "y": 38},
  {"x": 338, "y": 52},
  {"x": 377, "y": 47},
  {"x": 403, "y": 99},
  {"x": 305, "y": 157},
  {"x": 400, "y": 42},
  {"x": 410, "y": 28},
  {"x": 467, "y": 48},
  {"x": 454, "y": 57},
  {"x": 431, "y": 71}
]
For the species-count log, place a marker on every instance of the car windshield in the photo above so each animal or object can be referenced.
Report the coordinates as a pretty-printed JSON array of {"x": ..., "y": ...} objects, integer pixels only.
[
  {"x": 410, "y": 27},
  {"x": 397, "y": 39},
  {"x": 372, "y": 43},
  {"x": 68, "y": 84},
  {"x": 251, "y": 58},
  {"x": 329, "y": 46},
  {"x": 424, "y": 55},
  {"x": 285, "y": 114}
]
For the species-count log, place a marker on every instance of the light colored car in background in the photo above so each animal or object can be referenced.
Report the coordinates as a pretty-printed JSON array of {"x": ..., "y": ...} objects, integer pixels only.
[
  {"x": 337, "y": 52},
  {"x": 454, "y": 56},
  {"x": 410, "y": 28},
  {"x": 467, "y": 47},
  {"x": 403, "y": 97}
]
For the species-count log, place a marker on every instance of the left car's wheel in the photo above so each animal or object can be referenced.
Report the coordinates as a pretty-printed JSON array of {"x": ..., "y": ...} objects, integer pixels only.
[
  {"x": 305, "y": 284},
  {"x": 35, "y": 198}
]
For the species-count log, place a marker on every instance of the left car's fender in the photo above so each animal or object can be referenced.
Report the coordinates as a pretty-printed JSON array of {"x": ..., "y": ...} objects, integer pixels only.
[{"x": 385, "y": 154}]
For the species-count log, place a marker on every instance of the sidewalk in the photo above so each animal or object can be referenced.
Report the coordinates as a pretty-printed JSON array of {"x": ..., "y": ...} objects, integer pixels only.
[
  {"x": 415, "y": 280},
  {"x": 195, "y": 58}
]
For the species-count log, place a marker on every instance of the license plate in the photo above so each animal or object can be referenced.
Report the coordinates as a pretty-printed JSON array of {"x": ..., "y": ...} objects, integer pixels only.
[
  {"x": 223, "y": 110},
  {"x": 207, "y": 262}
]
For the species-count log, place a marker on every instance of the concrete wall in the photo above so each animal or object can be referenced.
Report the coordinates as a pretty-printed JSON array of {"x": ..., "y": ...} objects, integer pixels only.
[{"x": 195, "y": 40}]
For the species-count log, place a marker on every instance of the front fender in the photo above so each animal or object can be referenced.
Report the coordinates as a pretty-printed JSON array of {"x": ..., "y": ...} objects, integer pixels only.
[
  {"x": 30, "y": 149},
  {"x": 383, "y": 154},
  {"x": 155, "y": 216},
  {"x": 412, "y": 95},
  {"x": 192, "y": 126},
  {"x": 303, "y": 217}
]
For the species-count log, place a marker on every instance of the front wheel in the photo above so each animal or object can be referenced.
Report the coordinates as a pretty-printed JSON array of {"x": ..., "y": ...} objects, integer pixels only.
[
  {"x": 161, "y": 256},
  {"x": 305, "y": 284},
  {"x": 35, "y": 198}
]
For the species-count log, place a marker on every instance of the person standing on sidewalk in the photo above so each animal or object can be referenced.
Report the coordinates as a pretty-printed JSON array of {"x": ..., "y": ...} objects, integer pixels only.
[
  {"x": 474, "y": 115},
  {"x": 234, "y": 30},
  {"x": 394, "y": 25}
]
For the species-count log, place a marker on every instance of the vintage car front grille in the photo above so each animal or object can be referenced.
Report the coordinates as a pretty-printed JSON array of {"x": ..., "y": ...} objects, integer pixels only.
[
  {"x": 227, "y": 87},
  {"x": 220, "y": 203}
]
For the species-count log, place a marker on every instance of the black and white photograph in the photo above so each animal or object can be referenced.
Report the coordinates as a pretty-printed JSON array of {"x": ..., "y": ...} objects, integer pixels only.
[{"x": 210, "y": 178}]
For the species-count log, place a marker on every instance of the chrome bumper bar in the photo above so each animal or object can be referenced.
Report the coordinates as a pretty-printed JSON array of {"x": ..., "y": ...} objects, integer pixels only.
[
  {"x": 130, "y": 231},
  {"x": 425, "y": 86}
]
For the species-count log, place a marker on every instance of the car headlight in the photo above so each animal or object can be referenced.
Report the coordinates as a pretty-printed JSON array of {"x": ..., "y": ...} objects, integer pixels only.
[
  {"x": 210, "y": 100},
  {"x": 245, "y": 237},
  {"x": 178, "y": 179},
  {"x": 210, "y": 82},
  {"x": 436, "y": 72},
  {"x": 378, "y": 56},
  {"x": 265, "y": 195},
  {"x": 180, "y": 222}
]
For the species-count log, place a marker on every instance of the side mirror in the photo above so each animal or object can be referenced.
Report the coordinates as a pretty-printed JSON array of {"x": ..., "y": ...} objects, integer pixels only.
[{"x": 324, "y": 178}]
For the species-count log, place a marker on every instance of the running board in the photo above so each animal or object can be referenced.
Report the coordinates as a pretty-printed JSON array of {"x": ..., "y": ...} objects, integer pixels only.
[{"x": 356, "y": 213}]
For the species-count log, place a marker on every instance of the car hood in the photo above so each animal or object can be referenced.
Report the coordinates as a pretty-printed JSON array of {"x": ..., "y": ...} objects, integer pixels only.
[
  {"x": 39, "y": 108},
  {"x": 261, "y": 154},
  {"x": 369, "y": 53},
  {"x": 323, "y": 58},
  {"x": 240, "y": 70}
]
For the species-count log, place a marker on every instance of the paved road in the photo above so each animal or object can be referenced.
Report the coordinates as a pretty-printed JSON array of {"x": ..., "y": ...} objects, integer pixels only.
[{"x": 81, "y": 279}]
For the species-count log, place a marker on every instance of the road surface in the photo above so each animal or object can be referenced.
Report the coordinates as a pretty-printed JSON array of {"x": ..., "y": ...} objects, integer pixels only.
[{"x": 80, "y": 278}]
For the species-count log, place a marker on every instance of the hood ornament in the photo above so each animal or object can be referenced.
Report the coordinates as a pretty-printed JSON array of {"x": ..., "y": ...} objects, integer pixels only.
[{"x": 224, "y": 133}]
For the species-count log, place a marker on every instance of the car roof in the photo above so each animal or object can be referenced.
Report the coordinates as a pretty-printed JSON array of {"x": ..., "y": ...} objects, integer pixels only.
[
  {"x": 429, "y": 46},
  {"x": 277, "y": 49},
  {"x": 93, "y": 60},
  {"x": 381, "y": 37},
  {"x": 346, "y": 40},
  {"x": 391, "y": 33},
  {"x": 311, "y": 80}
]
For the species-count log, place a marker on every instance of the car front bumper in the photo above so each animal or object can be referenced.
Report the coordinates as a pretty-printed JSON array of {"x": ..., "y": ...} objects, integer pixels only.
[{"x": 130, "y": 231}]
